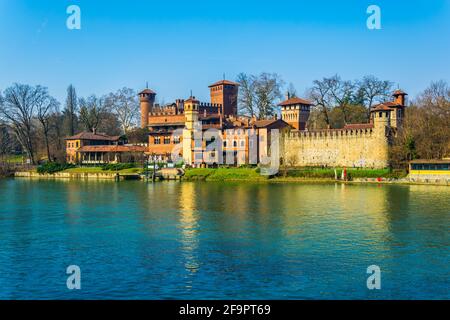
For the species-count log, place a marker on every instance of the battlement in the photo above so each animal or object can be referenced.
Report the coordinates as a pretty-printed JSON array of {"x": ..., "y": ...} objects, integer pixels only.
[
  {"x": 331, "y": 133},
  {"x": 210, "y": 105},
  {"x": 210, "y": 108},
  {"x": 158, "y": 110}
]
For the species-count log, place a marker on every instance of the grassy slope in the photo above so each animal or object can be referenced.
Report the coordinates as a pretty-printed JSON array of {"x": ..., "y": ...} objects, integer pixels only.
[{"x": 223, "y": 174}]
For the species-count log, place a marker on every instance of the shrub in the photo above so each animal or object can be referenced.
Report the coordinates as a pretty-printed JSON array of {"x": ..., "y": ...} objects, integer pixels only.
[{"x": 52, "y": 167}]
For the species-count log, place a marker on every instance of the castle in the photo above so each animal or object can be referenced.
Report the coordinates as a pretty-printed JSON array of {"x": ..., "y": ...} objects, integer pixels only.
[
  {"x": 212, "y": 132},
  {"x": 206, "y": 132}
]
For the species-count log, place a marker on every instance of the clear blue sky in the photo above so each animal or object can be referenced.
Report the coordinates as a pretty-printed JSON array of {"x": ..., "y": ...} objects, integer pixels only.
[{"x": 181, "y": 45}]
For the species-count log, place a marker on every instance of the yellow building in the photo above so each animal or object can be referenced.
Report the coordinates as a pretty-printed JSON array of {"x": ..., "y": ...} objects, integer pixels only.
[
  {"x": 420, "y": 170},
  {"x": 75, "y": 143}
]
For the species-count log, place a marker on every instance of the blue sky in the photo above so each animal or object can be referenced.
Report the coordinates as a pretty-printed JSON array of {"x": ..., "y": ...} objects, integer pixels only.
[{"x": 181, "y": 45}]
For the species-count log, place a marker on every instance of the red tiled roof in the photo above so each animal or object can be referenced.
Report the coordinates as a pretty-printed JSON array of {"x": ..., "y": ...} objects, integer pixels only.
[
  {"x": 399, "y": 92},
  {"x": 192, "y": 99},
  {"x": 380, "y": 106},
  {"x": 269, "y": 122},
  {"x": 93, "y": 136},
  {"x": 359, "y": 126},
  {"x": 263, "y": 123},
  {"x": 113, "y": 149},
  {"x": 386, "y": 106},
  {"x": 294, "y": 101},
  {"x": 221, "y": 82},
  {"x": 148, "y": 91}
]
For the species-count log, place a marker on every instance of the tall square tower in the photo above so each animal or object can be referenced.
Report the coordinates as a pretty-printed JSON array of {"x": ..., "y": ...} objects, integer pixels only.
[
  {"x": 225, "y": 93},
  {"x": 295, "y": 111}
]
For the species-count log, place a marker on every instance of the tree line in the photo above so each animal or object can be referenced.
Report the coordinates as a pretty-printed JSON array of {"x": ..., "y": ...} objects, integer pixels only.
[
  {"x": 336, "y": 102},
  {"x": 32, "y": 121}
]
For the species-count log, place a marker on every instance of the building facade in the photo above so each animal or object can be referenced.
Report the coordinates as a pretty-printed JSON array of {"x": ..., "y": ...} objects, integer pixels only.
[
  {"x": 89, "y": 148},
  {"x": 206, "y": 132}
]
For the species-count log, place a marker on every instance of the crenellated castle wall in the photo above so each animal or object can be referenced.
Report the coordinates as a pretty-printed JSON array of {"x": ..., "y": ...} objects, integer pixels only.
[{"x": 367, "y": 147}]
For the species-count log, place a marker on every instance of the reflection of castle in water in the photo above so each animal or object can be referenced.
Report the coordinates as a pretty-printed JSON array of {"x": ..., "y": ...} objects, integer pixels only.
[{"x": 189, "y": 226}]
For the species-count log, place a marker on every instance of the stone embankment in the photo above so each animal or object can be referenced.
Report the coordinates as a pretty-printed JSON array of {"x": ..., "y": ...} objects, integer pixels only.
[{"x": 77, "y": 175}]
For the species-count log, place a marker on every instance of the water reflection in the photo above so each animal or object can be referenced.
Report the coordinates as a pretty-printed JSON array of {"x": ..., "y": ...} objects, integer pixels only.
[
  {"x": 223, "y": 240},
  {"x": 189, "y": 229}
]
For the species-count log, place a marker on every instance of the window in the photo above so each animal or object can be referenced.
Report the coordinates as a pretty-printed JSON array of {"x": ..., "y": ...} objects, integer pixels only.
[
  {"x": 225, "y": 144},
  {"x": 176, "y": 139},
  {"x": 78, "y": 144},
  {"x": 166, "y": 140},
  {"x": 157, "y": 140},
  {"x": 242, "y": 143},
  {"x": 235, "y": 143}
]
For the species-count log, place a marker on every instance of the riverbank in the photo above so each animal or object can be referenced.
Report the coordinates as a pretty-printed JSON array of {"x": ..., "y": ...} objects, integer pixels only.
[
  {"x": 304, "y": 175},
  {"x": 83, "y": 173},
  {"x": 309, "y": 175},
  {"x": 297, "y": 174}
]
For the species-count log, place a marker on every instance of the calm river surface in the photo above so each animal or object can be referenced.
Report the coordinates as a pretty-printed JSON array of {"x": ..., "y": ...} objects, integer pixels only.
[{"x": 134, "y": 240}]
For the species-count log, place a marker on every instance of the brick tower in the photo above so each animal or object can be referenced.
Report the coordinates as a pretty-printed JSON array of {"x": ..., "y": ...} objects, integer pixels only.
[
  {"x": 225, "y": 92},
  {"x": 295, "y": 111},
  {"x": 399, "y": 97},
  {"x": 147, "y": 101}
]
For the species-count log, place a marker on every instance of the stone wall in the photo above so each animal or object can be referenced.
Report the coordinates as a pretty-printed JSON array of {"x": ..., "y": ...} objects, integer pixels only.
[{"x": 366, "y": 148}]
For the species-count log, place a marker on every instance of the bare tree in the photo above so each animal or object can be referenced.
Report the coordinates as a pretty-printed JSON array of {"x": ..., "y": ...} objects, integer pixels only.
[
  {"x": 125, "y": 106},
  {"x": 319, "y": 94},
  {"x": 18, "y": 107},
  {"x": 267, "y": 93},
  {"x": 5, "y": 140},
  {"x": 291, "y": 91},
  {"x": 247, "y": 94},
  {"x": 91, "y": 112},
  {"x": 71, "y": 109},
  {"x": 426, "y": 129},
  {"x": 341, "y": 94},
  {"x": 437, "y": 95},
  {"x": 373, "y": 90},
  {"x": 46, "y": 107}
]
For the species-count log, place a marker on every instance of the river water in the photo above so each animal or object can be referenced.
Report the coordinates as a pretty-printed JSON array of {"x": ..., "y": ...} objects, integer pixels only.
[{"x": 201, "y": 240}]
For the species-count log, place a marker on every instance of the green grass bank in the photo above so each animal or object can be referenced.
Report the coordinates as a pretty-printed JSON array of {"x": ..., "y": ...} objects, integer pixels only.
[{"x": 301, "y": 174}]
